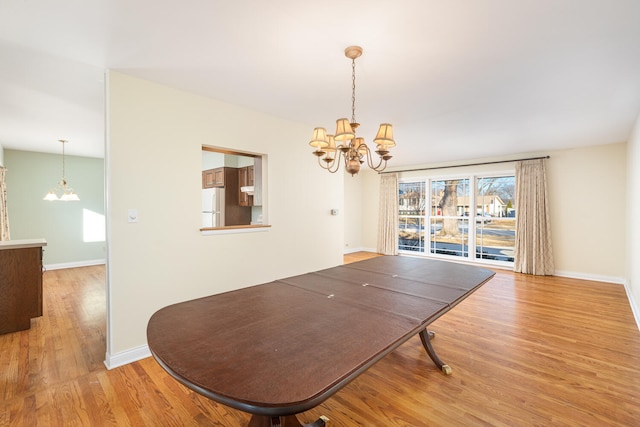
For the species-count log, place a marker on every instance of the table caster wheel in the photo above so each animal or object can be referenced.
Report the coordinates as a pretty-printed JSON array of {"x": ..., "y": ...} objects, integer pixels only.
[
  {"x": 446, "y": 369},
  {"x": 322, "y": 421}
]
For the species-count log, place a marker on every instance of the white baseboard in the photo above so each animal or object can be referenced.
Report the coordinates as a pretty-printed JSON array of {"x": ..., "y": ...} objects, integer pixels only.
[
  {"x": 126, "y": 357},
  {"x": 75, "y": 264},
  {"x": 352, "y": 250},
  {"x": 594, "y": 277},
  {"x": 634, "y": 306}
]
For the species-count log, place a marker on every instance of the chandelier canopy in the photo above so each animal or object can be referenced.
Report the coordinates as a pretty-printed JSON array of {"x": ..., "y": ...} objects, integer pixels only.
[
  {"x": 67, "y": 192},
  {"x": 352, "y": 148}
]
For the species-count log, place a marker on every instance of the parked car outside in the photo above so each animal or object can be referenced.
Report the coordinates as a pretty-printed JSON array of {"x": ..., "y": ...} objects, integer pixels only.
[
  {"x": 483, "y": 217},
  {"x": 480, "y": 217}
]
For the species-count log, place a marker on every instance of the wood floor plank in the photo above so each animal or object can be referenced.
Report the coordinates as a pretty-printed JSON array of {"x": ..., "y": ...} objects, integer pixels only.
[
  {"x": 113, "y": 401},
  {"x": 525, "y": 350}
]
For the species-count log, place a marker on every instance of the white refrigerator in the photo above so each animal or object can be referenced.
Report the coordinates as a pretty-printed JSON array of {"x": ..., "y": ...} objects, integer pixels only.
[{"x": 213, "y": 207}]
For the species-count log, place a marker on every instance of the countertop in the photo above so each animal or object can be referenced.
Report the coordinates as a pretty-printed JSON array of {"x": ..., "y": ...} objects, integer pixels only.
[{"x": 19, "y": 244}]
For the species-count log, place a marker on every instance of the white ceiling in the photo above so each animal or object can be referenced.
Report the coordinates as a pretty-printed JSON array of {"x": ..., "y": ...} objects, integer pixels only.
[{"x": 459, "y": 79}]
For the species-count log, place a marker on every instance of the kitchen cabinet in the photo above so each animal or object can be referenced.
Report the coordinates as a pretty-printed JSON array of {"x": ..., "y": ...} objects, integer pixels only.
[
  {"x": 20, "y": 283},
  {"x": 208, "y": 179},
  {"x": 245, "y": 179},
  {"x": 219, "y": 177},
  {"x": 213, "y": 178}
]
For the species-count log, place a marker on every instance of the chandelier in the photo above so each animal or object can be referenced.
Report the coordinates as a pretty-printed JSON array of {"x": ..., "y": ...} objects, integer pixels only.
[
  {"x": 67, "y": 192},
  {"x": 352, "y": 148}
]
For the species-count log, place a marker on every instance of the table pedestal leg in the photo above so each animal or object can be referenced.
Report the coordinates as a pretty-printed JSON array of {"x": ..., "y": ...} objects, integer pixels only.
[
  {"x": 426, "y": 337},
  {"x": 284, "y": 421}
]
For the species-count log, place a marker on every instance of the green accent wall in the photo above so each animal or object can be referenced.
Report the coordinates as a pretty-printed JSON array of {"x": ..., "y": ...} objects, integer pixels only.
[{"x": 30, "y": 175}]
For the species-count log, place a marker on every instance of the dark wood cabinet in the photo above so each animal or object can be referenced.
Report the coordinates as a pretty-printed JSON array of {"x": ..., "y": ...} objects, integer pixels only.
[
  {"x": 219, "y": 177},
  {"x": 245, "y": 178},
  {"x": 213, "y": 178},
  {"x": 234, "y": 213},
  {"x": 20, "y": 284},
  {"x": 250, "y": 175},
  {"x": 208, "y": 179}
]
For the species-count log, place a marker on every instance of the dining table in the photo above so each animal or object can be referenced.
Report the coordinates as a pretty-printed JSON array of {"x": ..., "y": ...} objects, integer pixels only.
[{"x": 277, "y": 349}]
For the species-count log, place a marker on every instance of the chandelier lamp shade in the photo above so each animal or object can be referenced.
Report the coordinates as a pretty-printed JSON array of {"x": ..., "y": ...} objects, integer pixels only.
[
  {"x": 352, "y": 149},
  {"x": 66, "y": 192}
]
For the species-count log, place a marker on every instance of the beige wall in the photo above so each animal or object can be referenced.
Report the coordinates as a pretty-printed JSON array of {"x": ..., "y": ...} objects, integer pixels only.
[
  {"x": 588, "y": 208},
  {"x": 352, "y": 209},
  {"x": 361, "y": 210},
  {"x": 633, "y": 214},
  {"x": 587, "y": 189},
  {"x": 153, "y": 162},
  {"x": 370, "y": 207}
]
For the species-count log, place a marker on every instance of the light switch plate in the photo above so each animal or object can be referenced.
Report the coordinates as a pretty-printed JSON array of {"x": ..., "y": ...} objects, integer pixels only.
[{"x": 132, "y": 215}]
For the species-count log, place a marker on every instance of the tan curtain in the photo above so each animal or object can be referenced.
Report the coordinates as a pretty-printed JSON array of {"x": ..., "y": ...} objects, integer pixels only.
[
  {"x": 4, "y": 214},
  {"x": 388, "y": 215},
  {"x": 533, "y": 253}
]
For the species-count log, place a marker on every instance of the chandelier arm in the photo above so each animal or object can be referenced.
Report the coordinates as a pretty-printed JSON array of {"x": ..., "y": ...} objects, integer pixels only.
[
  {"x": 328, "y": 165},
  {"x": 320, "y": 163},
  {"x": 336, "y": 161},
  {"x": 370, "y": 162}
]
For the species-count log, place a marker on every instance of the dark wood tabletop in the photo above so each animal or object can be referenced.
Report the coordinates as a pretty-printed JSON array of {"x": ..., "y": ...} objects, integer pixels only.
[{"x": 281, "y": 348}]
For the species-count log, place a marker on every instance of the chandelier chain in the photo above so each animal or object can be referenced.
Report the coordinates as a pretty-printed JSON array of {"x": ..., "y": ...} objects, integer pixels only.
[
  {"x": 353, "y": 90},
  {"x": 63, "y": 178}
]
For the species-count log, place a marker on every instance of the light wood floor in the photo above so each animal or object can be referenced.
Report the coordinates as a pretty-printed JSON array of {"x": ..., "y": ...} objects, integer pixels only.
[{"x": 525, "y": 351}]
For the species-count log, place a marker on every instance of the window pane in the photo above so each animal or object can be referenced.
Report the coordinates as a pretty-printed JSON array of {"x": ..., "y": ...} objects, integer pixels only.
[
  {"x": 449, "y": 197},
  {"x": 449, "y": 231},
  {"x": 495, "y": 218},
  {"x": 411, "y": 234},
  {"x": 412, "y": 197},
  {"x": 454, "y": 245}
]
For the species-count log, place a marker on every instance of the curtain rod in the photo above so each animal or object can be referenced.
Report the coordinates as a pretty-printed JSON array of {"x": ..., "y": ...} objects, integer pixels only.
[{"x": 468, "y": 164}]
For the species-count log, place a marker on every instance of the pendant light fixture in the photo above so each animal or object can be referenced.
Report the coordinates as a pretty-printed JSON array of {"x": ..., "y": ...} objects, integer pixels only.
[
  {"x": 62, "y": 187},
  {"x": 352, "y": 148}
]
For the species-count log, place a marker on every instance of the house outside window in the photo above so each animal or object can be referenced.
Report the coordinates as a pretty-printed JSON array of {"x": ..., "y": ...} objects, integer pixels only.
[{"x": 468, "y": 217}]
